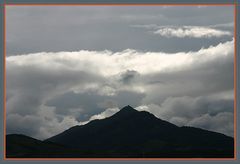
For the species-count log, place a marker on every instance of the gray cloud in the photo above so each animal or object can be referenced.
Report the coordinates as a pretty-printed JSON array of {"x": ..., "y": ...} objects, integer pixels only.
[
  {"x": 28, "y": 124},
  {"x": 221, "y": 122},
  {"x": 207, "y": 112},
  {"x": 128, "y": 76},
  {"x": 92, "y": 61},
  {"x": 68, "y": 88},
  {"x": 62, "y": 28},
  {"x": 90, "y": 103},
  {"x": 191, "y": 31}
]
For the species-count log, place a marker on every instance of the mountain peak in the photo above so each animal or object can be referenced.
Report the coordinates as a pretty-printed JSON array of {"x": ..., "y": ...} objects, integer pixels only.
[
  {"x": 128, "y": 108},
  {"x": 129, "y": 133},
  {"x": 126, "y": 111}
]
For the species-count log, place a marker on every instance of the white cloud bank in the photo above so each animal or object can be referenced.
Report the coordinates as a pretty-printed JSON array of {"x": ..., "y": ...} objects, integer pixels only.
[
  {"x": 49, "y": 92},
  {"x": 110, "y": 63},
  {"x": 191, "y": 32},
  {"x": 218, "y": 30}
]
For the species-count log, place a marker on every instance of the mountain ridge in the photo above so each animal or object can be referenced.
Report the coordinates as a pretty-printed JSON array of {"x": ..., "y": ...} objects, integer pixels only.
[{"x": 131, "y": 133}]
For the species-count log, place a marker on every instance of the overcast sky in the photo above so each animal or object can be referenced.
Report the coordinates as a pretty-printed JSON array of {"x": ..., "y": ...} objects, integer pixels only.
[{"x": 67, "y": 65}]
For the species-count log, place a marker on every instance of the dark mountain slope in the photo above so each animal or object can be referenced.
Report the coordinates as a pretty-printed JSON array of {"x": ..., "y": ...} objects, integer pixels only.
[
  {"x": 21, "y": 146},
  {"x": 127, "y": 127},
  {"x": 129, "y": 133}
]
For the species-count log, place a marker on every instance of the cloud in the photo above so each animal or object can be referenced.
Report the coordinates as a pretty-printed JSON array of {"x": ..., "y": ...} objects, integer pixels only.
[
  {"x": 112, "y": 63},
  {"x": 220, "y": 123},
  {"x": 68, "y": 28},
  {"x": 43, "y": 124},
  {"x": 210, "y": 31},
  {"x": 128, "y": 76},
  {"x": 223, "y": 25},
  {"x": 53, "y": 91},
  {"x": 20, "y": 124},
  {"x": 191, "y": 32},
  {"x": 107, "y": 113},
  {"x": 206, "y": 112},
  {"x": 92, "y": 102}
]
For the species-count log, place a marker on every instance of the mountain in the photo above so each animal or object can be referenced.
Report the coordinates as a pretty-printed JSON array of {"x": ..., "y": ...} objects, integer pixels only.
[
  {"x": 130, "y": 133},
  {"x": 21, "y": 146}
]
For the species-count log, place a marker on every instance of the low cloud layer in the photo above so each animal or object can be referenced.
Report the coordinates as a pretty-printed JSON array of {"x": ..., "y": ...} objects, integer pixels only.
[{"x": 48, "y": 92}]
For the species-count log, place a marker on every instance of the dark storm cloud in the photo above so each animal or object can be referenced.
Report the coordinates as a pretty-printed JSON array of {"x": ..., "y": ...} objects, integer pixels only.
[
  {"x": 68, "y": 88},
  {"x": 221, "y": 122},
  {"x": 20, "y": 124},
  {"x": 200, "y": 79},
  {"x": 128, "y": 76},
  {"x": 207, "y": 112},
  {"x": 100, "y": 28},
  {"x": 93, "y": 103},
  {"x": 28, "y": 86}
]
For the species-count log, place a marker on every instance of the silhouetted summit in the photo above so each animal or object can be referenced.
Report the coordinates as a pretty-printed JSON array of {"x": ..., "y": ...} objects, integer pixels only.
[
  {"x": 126, "y": 111},
  {"x": 128, "y": 108},
  {"x": 132, "y": 133}
]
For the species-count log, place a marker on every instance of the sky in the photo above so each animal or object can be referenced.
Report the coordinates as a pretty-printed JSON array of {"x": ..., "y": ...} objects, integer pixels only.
[{"x": 68, "y": 65}]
